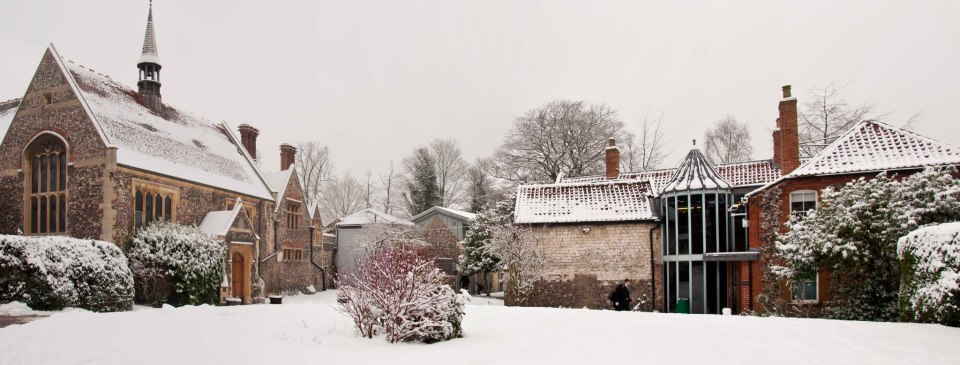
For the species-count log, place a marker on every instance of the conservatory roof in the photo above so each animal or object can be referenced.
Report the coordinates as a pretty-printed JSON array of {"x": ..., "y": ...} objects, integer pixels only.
[
  {"x": 695, "y": 173},
  {"x": 601, "y": 201},
  {"x": 750, "y": 173}
]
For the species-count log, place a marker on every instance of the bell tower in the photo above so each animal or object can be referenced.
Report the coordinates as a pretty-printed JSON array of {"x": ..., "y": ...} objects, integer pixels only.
[{"x": 149, "y": 81}]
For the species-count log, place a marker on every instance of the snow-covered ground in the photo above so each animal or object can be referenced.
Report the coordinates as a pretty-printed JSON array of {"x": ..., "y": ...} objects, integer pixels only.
[{"x": 308, "y": 328}]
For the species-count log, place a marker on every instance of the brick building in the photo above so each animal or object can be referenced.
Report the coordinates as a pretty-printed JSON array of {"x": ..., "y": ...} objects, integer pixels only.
[
  {"x": 705, "y": 217},
  {"x": 869, "y": 148},
  {"x": 86, "y": 156}
]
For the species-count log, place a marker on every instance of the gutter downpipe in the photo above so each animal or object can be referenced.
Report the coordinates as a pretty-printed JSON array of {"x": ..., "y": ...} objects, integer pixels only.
[{"x": 653, "y": 272}]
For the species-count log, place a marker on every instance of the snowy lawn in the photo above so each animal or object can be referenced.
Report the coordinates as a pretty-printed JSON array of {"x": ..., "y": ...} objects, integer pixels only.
[{"x": 307, "y": 328}]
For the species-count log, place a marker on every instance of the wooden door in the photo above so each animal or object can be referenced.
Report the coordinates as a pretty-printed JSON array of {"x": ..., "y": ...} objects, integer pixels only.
[{"x": 237, "y": 268}]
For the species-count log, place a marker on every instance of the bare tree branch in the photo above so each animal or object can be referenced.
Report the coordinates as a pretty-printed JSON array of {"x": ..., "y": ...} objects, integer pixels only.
[
  {"x": 728, "y": 141},
  {"x": 315, "y": 169}
]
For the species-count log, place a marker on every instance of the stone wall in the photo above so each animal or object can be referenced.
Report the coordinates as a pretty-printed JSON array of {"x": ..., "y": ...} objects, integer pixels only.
[
  {"x": 50, "y": 105},
  {"x": 584, "y": 267}
]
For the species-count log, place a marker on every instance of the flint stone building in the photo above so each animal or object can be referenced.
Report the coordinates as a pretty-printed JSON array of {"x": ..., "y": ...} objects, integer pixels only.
[{"x": 88, "y": 157}]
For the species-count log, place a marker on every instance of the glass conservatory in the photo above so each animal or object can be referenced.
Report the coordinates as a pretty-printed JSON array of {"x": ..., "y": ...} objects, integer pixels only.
[{"x": 696, "y": 223}]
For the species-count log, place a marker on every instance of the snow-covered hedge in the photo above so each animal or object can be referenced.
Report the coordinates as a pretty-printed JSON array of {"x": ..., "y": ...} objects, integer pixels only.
[
  {"x": 403, "y": 296},
  {"x": 53, "y": 272},
  {"x": 176, "y": 264},
  {"x": 930, "y": 267}
]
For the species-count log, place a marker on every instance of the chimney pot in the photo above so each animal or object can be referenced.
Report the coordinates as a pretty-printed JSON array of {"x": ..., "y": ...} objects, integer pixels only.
[
  {"x": 248, "y": 138},
  {"x": 288, "y": 156},
  {"x": 786, "y": 91}
]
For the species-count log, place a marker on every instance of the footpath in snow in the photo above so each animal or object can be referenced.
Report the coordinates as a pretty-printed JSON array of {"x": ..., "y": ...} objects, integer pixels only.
[{"x": 308, "y": 328}]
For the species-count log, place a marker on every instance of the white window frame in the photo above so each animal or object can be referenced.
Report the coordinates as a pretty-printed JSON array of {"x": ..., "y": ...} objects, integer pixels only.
[
  {"x": 816, "y": 285},
  {"x": 802, "y": 193}
]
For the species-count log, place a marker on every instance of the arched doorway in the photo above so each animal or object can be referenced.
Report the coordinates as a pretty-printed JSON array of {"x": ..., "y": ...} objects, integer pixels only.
[{"x": 238, "y": 266}]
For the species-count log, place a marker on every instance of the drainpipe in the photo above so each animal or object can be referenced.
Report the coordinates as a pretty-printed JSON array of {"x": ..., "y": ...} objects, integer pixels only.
[
  {"x": 653, "y": 272},
  {"x": 323, "y": 272}
]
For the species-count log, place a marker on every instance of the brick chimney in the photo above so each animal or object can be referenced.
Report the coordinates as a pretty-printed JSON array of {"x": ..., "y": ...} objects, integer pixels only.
[
  {"x": 248, "y": 138},
  {"x": 288, "y": 155},
  {"x": 612, "y": 159},
  {"x": 788, "y": 147}
]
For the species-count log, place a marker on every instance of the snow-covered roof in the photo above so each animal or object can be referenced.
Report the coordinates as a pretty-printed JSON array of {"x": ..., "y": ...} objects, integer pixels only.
[
  {"x": 278, "y": 182},
  {"x": 601, "y": 201},
  {"x": 876, "y": 146},
  {"x": 738, "y": 174},
  {"x": 8, "y": 109},
  {"x": 695, "y": 173},
  {"x": 177, "y": 144},
  {"x": 467, "y": 216},
  {"x": 149, "y": 53},
  {"x": 368, "y": 216},
  {"x": 218, "y": 223}
]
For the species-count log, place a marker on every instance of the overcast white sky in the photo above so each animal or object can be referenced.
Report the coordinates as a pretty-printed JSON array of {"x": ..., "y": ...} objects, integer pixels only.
[{"x": 373, "y": 79}]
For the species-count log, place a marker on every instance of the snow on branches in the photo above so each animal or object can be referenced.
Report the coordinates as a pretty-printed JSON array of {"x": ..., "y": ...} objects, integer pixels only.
[
  {"x": 52, "y": 272},
  {"x": 176, "y": 264},
  {"x": 523, "y": 259},
  {"x": 853, "y": 233},
  {"x": 403, "y": 295},
  {"x": 930, "y": 260}
]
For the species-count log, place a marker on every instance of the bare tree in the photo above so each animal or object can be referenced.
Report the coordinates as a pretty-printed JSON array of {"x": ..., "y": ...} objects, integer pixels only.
[
  {"x": 559, "y": 137},
  {"x": 645, "y": 151},
  {"x": 387, "y": 184},
  {"x": 521, "y": 253},
  {"x": 728, "y": 141},
  {"x": 315, "y": 169},
  {"x": 343, "y": 196},
  {"x": 451, "y": 170},
  {"x": 826, "y": 116}
]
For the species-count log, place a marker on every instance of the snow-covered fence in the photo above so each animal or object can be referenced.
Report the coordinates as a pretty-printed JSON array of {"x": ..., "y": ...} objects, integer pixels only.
[
  {"x": 53, "y": 272},
  {"x": 930, "y": 268},
  {"x": 176, "y": 264}
]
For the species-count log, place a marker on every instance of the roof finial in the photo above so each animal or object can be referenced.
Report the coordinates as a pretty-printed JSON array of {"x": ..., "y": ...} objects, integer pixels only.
[{"x": 694, "y": 142}]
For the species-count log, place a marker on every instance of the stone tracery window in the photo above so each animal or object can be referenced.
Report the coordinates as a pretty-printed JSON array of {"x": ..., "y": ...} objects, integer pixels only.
[
  {"x": 293, "y": 214},
  {"x": 154, "y": 202},
  {"x": 46, "y": 184}
]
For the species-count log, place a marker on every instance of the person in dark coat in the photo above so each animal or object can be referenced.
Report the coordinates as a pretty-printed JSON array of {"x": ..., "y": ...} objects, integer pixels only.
[
  {"x": 620, "y": 297},
  {"x": 465, "y": 282}
]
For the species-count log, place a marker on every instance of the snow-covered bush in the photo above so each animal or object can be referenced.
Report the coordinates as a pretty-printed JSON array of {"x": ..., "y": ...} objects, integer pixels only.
[
  {"x": 402, "y": 295},
  {"x": 53, "y": 272},
  {"x": 853, "y": 234},
  {"x": 930, "y": 266},
  {"x": 176, "y": 264},
  {"x": 523, "y": 258}
]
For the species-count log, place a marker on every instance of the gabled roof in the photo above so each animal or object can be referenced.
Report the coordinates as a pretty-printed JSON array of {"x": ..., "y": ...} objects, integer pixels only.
[
  {"x": 8, "y": 109},
  {"x": 695, "y": 173},
  {"x": 602, "y": 201},
  {"x": 459, "y": 214},
  {"x": 218, "y": 223},
  {"x": 278, "y": 182},
  {"x": 177, "y": 144},
  {"x": 876, "y": 146},
  {"x": 369, "y": 216}
]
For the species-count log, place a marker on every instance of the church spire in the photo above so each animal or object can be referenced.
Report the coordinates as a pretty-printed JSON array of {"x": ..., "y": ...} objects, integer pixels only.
[
  {"x": 149, "y": 53},
  {"x": 149, "y": 65}
]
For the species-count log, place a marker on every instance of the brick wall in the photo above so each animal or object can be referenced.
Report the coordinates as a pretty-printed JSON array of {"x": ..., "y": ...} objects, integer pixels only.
[{"x": 583, "y": 268}]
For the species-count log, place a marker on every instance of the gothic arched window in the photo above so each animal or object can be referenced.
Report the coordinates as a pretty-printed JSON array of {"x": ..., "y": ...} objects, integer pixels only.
[
  {"x": 154, "y": 202},
  {"x": 46, "y": 185}
]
